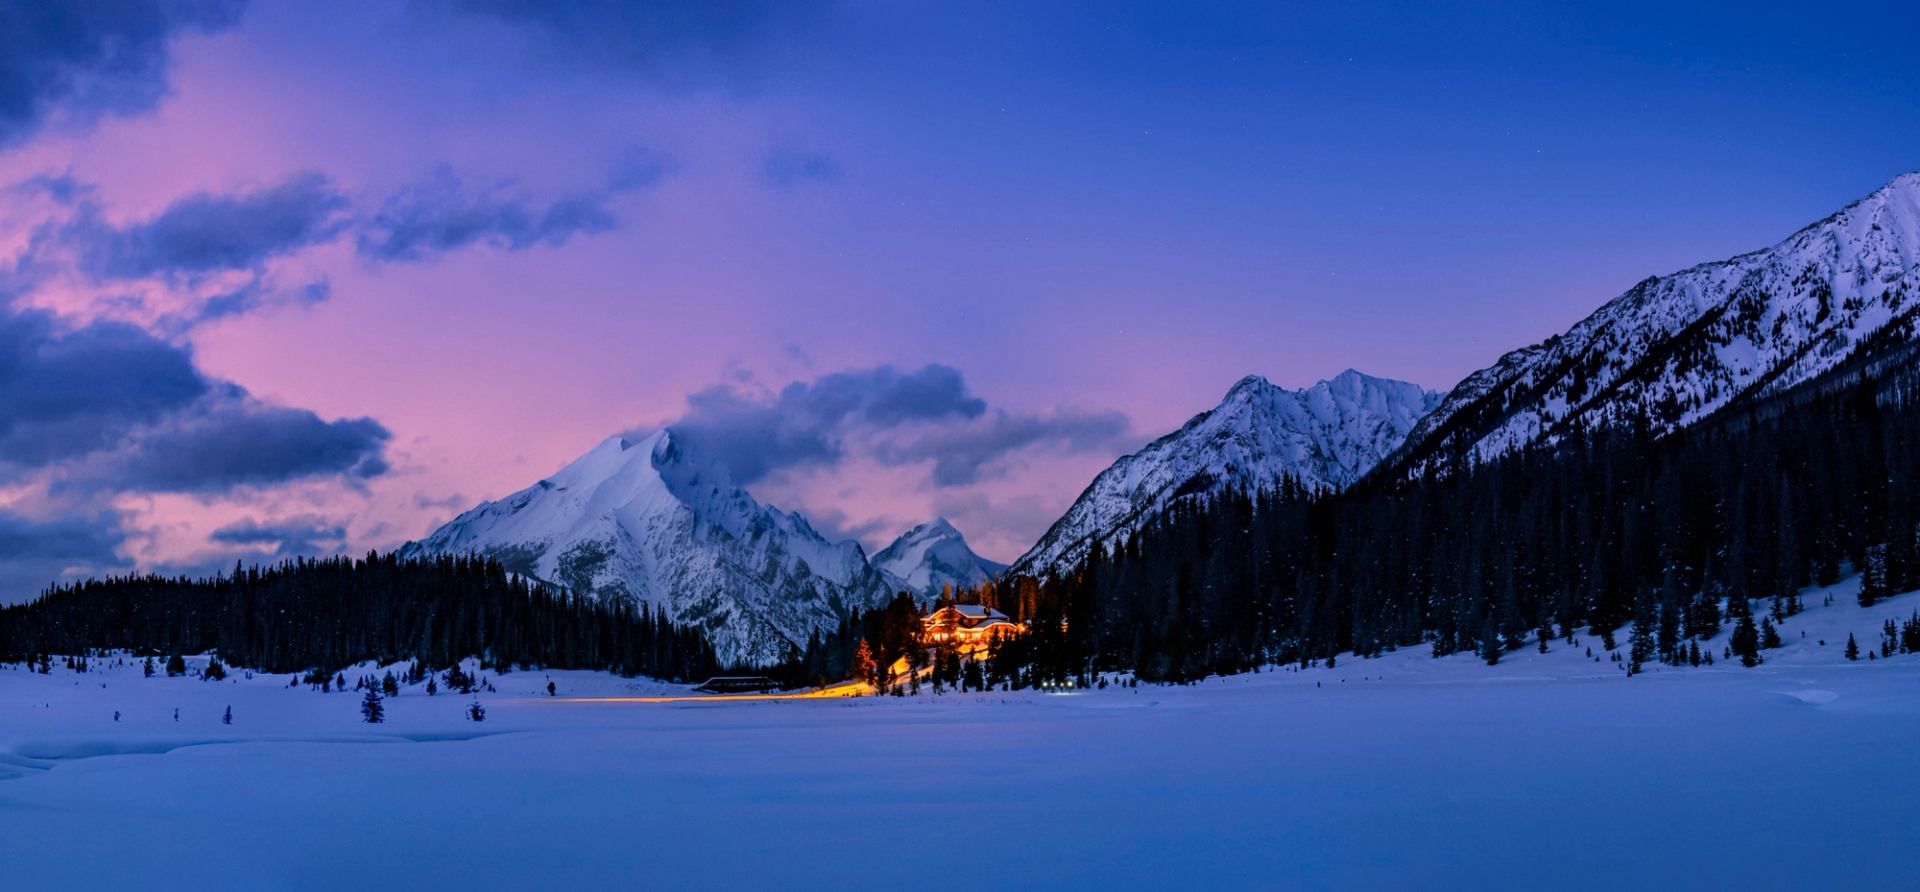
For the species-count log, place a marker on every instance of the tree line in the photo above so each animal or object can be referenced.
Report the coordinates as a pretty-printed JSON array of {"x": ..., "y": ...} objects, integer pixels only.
[
  {"x": 325, "y": 614},
  {"x": 1678, "y": 535}
]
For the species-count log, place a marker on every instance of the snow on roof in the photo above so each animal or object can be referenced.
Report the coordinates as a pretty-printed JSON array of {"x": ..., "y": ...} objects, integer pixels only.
[{"x": 977, "y": 611}]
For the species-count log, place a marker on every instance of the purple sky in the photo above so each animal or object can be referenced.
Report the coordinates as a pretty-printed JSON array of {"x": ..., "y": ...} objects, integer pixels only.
[{"x": 302, "y": 278}]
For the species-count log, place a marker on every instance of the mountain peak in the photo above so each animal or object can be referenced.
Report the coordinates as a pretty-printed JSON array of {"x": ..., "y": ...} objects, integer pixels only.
[
  {"x": 1674, "y": 349},
  {"x": 1324, "y": 436},
  {"x": 939, "y": 525},
  {"x": 1907, "y": 182},
  {"x": 932, "y": 556},
  {"x": 1249, "y": 385},
  {"x": 654, "y": 523}
]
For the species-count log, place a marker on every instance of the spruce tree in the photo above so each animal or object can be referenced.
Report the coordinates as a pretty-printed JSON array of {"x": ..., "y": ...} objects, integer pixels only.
[
  {"x": 1853, "y": 647},
  {"x": 372, "y": 710},
  {"x": 1745, "y": 641}
]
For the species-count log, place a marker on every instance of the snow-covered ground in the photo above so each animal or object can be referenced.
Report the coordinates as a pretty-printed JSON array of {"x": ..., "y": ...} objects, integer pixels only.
[{"x": 1546, "y": 771}]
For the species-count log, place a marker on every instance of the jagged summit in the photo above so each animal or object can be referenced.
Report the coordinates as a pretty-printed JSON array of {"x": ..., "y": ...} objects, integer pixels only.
[
  {"x": 932, "y": 556},
  {"x": 1676, "y": 348},
  {"x": 650, "y": 522},
  {"x": 1323, "y": 436}
]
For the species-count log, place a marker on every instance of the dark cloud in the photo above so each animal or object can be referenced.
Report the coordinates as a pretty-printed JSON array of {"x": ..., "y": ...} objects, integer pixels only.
[
  {"x": 684, "y": 41},
  {"x": 206, "y": 232},
  {"x": 444, "y": 503},
  {"x": 256, "y": 293},
  {"x": 807, "y": 423},
  {"x": 295, "y": 536},
  {"x": 441, "y": 215},
  {"x": 73, "y": 63},
  {"x": 63, "y": 188},
  {"x": 115, "y": 408},
  {"x": 962, "y": 453},
  {"x": 837, "y": 526},
  {"x": 234, "y": 441},
  {"x": 34, "y": 553},
  {"x": 786, "y": 168},
  {"x": 70, "y": 391}
]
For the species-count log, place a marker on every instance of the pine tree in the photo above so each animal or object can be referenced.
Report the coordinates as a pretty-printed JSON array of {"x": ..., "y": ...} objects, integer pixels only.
[
  {"x": 176, "y": 666},
  {"x": 864, "y": 667},
  {"x": 1745, "y": 641},
  {"x": 1639, "y": 648},
  {"x": 1873, "y": 576},
  {"x": 1853, "y": 647},
  {"x": 372, "y": 710},
  {"x": 1769, "y": 636},
  {"x": 389, "y": 685},
  {"x": 146, "y": 667},
  {"x": 476, "y": 712}
]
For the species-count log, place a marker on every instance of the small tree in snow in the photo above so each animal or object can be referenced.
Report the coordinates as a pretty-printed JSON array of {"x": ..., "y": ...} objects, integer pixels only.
[
  {"x": 1745, "y": 641},
  {"x": 1853, "y": 647},
  {"x": 476, "y": 712},
  {"x": 1769, "y": 636},
  {"x": 372, "y": 710}
]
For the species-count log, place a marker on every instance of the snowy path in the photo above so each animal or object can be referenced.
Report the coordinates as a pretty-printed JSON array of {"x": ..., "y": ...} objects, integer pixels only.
[{"x": 1548, "y": 770}]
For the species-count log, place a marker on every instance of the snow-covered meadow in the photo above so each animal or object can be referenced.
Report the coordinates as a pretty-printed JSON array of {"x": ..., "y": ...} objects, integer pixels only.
[{"x": 1548, "y": 770}]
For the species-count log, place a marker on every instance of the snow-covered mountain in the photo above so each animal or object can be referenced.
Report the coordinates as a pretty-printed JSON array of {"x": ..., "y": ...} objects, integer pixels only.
[
  {"x": 1675, "y": 348},
  {"x": 1325, "y": 436},
  {"x": 931, "y": 556},
  {"x": 649, "y": 523}
]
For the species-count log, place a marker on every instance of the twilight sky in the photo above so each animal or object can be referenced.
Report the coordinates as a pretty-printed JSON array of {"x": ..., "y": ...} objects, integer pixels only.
[{"x": 298, "y": 278}]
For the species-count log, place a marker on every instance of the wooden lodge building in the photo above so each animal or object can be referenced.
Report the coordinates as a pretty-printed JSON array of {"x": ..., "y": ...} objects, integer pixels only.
[{"x": 968, "y": 625}]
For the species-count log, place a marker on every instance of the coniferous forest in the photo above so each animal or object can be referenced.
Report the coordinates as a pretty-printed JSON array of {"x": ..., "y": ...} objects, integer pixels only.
[
  {"x": 1678, "y": 535},
  {"x": 327, "y": 614}
]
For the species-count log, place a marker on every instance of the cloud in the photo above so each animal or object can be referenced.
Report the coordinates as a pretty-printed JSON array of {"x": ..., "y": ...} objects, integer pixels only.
[
  {"x": 451, "y": 502},
  {"x": 70, "y": 64},
  {"x": 678, "y": 41},
  {"x": 896, "y": 418},
  {"x": 962, "y": 453},
  {"x": 786, "y": 168},
  {"x": 232, "y": 441},
  {"x": 441, "y": 215},
  {"x": 70, "y": 391},
  {"x": 254, "y": 294},
  {"x": 206, "y": 232},
  {"x": 807, "y": 423},
  {"x": 837, "y": 526},
  {"x": 34, "y": 553},
  {"x": 293, "y": 536},
  {"x": 109, "y": 406}
]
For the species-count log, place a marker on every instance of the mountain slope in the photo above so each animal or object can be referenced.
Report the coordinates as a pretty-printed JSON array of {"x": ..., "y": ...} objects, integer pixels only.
[
  {"x": 1325, "y": 436},
  {"x": 1674, "y": 349},
  {"x": 930, "y": 557},
  {"x": 648, "y": 523}
]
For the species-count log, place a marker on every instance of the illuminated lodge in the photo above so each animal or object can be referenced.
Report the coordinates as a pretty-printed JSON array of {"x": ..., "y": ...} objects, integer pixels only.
[{"x": 968, "y": 625}]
